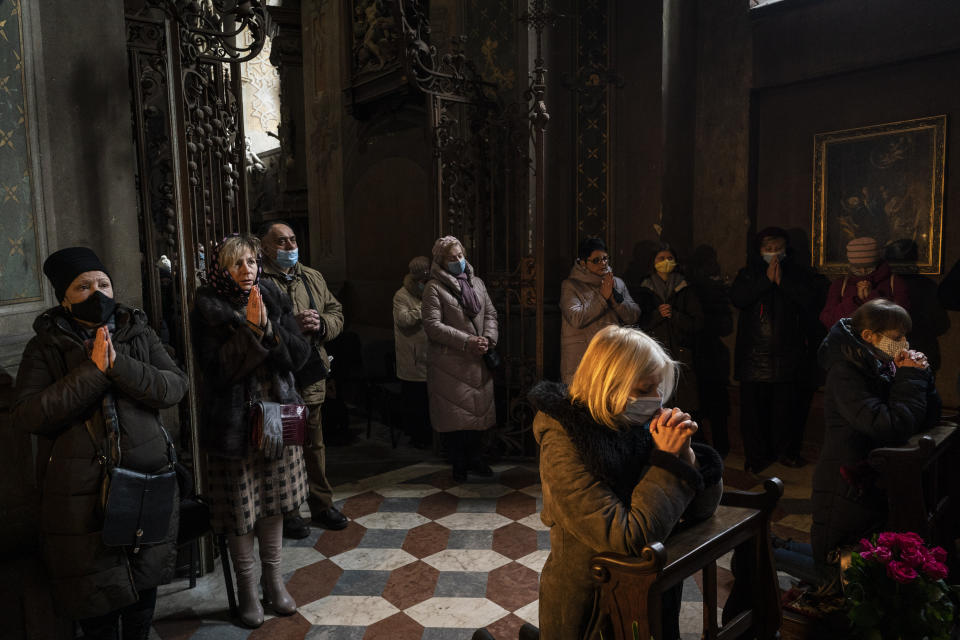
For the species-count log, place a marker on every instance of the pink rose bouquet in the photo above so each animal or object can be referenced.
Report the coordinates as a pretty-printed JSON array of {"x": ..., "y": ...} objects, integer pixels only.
[{"x": 896, "y": 589}]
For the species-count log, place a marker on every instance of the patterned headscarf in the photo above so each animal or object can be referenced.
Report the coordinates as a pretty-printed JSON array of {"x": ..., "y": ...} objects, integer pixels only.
[{"x": 223, "y": 283}]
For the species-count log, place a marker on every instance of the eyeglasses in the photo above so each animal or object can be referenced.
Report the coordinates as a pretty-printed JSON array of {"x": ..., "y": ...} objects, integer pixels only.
[{"x": 599, "y": 260}]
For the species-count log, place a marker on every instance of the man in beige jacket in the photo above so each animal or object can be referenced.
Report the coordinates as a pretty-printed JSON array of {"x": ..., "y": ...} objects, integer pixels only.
[{"x": 320, "y": 317}]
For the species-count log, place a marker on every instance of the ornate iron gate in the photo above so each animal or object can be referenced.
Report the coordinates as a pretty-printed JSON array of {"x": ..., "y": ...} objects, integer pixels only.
[
  {"x": 187, "y": 116},
  {"x": 488, "y": 191}
]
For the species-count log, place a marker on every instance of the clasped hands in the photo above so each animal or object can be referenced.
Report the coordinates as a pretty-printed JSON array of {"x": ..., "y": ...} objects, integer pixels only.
[
  {"x": 309, "y": 320},
  {"x": 103, "y": 353},
  {"x": 478, "y": 345},
  {"x": 672, "y": 430},
  {"x": 911, "y": 358},
  {"x": 256, "y": 309}
]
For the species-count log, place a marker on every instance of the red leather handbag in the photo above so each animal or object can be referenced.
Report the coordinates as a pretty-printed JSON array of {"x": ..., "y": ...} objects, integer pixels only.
[{"x": 274, "y": 426}]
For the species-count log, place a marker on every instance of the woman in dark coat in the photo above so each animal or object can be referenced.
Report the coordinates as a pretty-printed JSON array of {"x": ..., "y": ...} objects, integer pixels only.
[
  {"x": 776, "y": 297},
  {"x": 671, "y": 313},
  {"x": 248, "y": 347},
  {"x": 89, "y": 355},
  {"x": 878, "y": 394},
  {"x": 618, "y": 472}
]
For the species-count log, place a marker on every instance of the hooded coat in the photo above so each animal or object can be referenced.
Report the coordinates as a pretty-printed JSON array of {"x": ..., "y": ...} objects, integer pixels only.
[
  {"x": 774, "y": 320},
  {"x": 678, "y": 333},
  {"x": 585, "y": 312},
  {"x": 460, "y": 385},
  {"x": 58, "y": 389},
  {"x": 409, "y": 339},
  {"x": 866, "y": 405},
  {"x": 842, "y": 299},
  {"x": 605, "y": 490}
]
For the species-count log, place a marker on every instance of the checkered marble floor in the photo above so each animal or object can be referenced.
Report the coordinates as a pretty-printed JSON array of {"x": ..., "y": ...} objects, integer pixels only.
[{"x": 422, "y": 558}]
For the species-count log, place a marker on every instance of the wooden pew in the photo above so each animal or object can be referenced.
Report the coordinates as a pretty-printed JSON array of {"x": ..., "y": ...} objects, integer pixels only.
[
  {"x": 630, "y": 588},
  {"x": 919, "y": 479}
]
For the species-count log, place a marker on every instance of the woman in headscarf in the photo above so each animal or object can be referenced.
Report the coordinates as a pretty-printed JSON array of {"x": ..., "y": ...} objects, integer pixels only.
[
  {"x": 461, "y": 326},
  {"x": 92, "y": 357},
  {"x": 248, "y": 347}
]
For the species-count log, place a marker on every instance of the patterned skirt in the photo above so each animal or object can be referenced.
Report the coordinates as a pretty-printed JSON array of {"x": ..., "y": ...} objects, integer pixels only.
[{"x": 240, "y": 492}]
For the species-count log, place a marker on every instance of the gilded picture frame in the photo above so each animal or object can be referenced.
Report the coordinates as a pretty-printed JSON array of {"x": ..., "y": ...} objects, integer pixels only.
[{"x": 882, "y": 181}]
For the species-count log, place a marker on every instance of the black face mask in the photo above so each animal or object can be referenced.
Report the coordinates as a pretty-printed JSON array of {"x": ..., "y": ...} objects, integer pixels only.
[{"x": 96, "y": 309}]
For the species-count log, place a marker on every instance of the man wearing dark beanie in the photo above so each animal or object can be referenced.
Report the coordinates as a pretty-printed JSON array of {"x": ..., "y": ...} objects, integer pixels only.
[{"x": 63, "y": 266}]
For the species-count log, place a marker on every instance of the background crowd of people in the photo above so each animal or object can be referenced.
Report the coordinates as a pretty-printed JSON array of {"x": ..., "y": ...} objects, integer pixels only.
[{"x": 262, "y": 321}]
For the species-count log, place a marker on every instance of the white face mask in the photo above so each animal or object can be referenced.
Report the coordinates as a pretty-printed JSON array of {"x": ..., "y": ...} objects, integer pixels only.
[
  {"x": 892, "y": 347},
  {"x": 641, "y": 410}
]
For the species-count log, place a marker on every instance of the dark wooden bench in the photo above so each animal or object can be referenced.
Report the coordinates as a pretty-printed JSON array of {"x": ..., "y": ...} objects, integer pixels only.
[
  {"x": 919, "y": 479},
  {"x": 629, "y": 588}
]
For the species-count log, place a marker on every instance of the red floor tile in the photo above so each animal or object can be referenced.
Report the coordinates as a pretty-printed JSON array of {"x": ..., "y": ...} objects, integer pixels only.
[
  {"x": 314, "y": 582},
  {"x": 362, "y": 505},
  {"x": 397, "y": 627},
  {"x": 426, "y": 540},
  {"x": 410, "y": 585},
  {"x": 332, "y": 543},
  {"x": 514, "y": 540},
  {"x": 506, "y": 628},
  {"x": 516, "y": 505},
  {"x": 293, "y": 627},
  {"x": 513, "y": 586},
  {"x": 438, "y": 505}
]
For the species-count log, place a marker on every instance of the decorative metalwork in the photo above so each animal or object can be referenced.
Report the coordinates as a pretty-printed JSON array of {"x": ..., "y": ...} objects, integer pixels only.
[
  {"x": 188, "y": 126},
  {"x": 591, "y": 87},
  {"x": 484, "y": 153},
  {"x": 211, "y": 29}
]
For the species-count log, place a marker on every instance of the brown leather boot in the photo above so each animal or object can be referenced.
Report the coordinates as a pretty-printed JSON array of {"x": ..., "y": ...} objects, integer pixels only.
[
  {"x": 270, "y": 534},
  {"x": 245, "y": 568}
]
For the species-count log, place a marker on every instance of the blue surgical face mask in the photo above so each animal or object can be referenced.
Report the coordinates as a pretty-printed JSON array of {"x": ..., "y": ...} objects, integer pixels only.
[
  {"x": 287, "y": 259},
  {"x": 641, "y": 410},
  {"x": 456, "y": 267}
]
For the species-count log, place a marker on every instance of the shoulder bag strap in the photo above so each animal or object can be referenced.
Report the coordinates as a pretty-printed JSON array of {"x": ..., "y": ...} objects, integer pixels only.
[{"x": 306, "y": 285}]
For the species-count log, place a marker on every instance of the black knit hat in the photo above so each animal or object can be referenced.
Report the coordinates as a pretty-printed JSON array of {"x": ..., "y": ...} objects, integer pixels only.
[{"x": 63, "y": 266}]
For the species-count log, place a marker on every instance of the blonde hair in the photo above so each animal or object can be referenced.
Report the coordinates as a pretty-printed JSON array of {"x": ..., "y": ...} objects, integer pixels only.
[
  {"x": 615, "y": 361},
  {"x": 234, "y": 247}
]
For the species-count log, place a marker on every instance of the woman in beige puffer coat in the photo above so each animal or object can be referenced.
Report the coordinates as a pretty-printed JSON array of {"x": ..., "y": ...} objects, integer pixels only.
[{"x": 461, "y": 326}]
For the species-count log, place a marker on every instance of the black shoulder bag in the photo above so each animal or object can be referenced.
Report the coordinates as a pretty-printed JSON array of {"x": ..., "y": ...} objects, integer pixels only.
[
  {"x": 137, "y": 507},
  {"x": 316, "y": 368}
]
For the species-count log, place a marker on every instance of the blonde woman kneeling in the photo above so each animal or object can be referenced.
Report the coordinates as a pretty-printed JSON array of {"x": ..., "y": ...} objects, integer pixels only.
[{"x": 618, "y": 471}]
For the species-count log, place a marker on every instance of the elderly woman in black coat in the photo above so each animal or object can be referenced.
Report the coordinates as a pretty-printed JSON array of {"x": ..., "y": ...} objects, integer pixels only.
[
  {"x": 248, "y": 347},
  {"x": 90, "y": 357}
]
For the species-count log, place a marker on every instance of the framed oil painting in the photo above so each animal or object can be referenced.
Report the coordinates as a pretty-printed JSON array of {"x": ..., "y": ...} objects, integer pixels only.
[{"x": 885, "y": 182}]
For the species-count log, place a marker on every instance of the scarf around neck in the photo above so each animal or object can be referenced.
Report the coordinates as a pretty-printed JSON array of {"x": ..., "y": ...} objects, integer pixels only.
[{"x": 471, "y": 302}]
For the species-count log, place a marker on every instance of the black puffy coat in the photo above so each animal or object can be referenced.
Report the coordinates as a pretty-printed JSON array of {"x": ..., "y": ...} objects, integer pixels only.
[
  {"x": 58, "y": 389},
  {"x": 678, "y": 333},
  {"x": 229, "y": 353},
  {"x": 772, "y": 333},
  {"x": 865, "y": 406}
]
